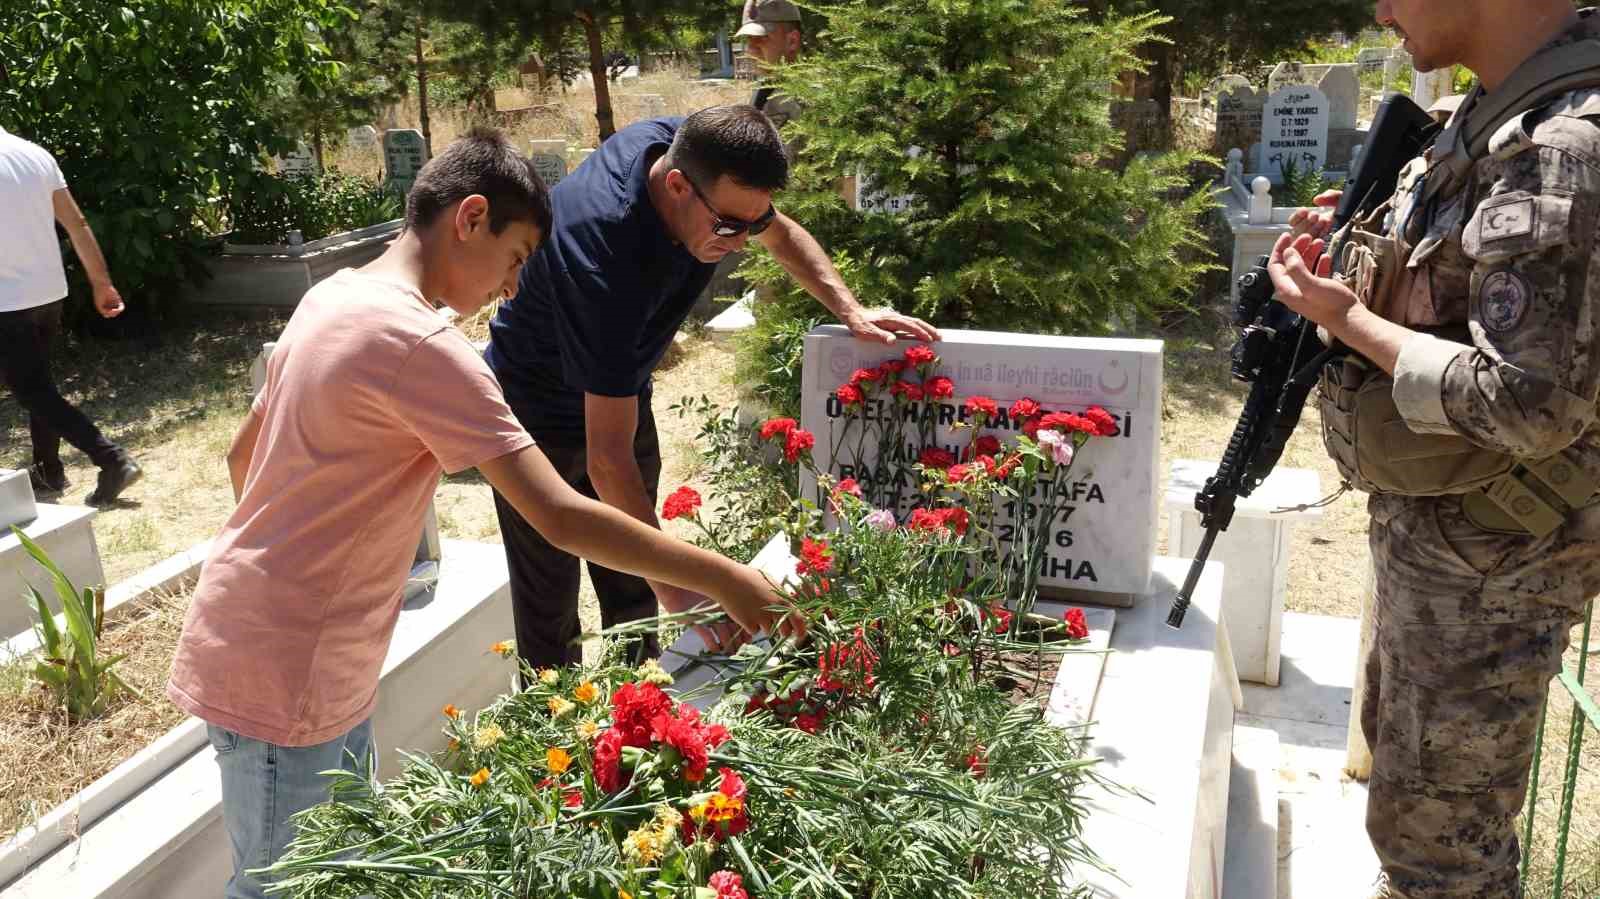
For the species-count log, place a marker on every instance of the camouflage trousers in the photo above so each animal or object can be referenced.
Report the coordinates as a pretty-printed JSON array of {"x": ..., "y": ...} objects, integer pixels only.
[{"x": 1470, "y": 627}]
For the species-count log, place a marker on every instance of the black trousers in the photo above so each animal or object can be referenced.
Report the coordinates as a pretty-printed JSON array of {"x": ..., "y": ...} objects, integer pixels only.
[
  {"x": 25, "y": 340},
  {"x": 545, "y": 579}
]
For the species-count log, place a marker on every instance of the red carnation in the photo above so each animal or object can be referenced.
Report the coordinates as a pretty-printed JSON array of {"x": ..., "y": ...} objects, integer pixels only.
[
  {"x": 959, "y": 473},
  {"x": 920, "y": 355},
  {"x": 728, "y": 885},
  {"x": 608, "y": 761},
  {"x": 894, "y": 367},
  {"x": 808, "y": 722},
  {"x": 983, "y": 406},
  {"x": 1002, "y": 619},
  {"x": 798, "y": 441},
  {"x": 1105, "y": 423},
  {"x": 934, "y": 457},
  {"x": 976, "y": 763},
  {"x": 683, "y": 502},
  {"x": 686, "y": 737},
  {"x": 987, "y": 445},
  {"x": 956, "y": 519},
  {"x": 1031, "y": 427},
  {"x": 910, "y": 391},
  {"x": 850, "y": 486},
  {"x": 774, "y": 426},
  {"x": 939, "y": 388},
  {"x": 1077, "y": 625},
  {"x": 1068, "y": 423},
  {"x": 815, "y": 557},
  {"x": 1024, "y": 408},
  {"x": 865, "y": 376},
  {"x": 634, "y": 708},
  {"x": 850, "y": 395}
]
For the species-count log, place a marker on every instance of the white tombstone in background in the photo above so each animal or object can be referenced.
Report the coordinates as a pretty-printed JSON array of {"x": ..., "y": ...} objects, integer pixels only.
[
  {"x": 1294, "y": 127},
  {"x": 1428, "y": 88},
  {"x": 405, "y": 152},
  {"x": 1239, "y": 114},
  {"x": 1104, "y": 546},
  {"x": 549, "y": 160},
  {"x": 363, "y": 137},
  {"x": 300, "y": 162}
]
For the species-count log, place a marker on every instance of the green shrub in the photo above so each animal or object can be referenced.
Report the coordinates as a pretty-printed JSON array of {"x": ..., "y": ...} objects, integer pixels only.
[{"x": 268, "y": 207}]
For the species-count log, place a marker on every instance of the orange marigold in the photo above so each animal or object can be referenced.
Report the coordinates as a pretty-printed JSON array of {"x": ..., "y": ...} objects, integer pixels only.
[
  {"x": 557, "y": 760},
  {"x": 481, "y": 778},
  {"x": 451, "y": 712},
  {"x": 586, "y": 692}
]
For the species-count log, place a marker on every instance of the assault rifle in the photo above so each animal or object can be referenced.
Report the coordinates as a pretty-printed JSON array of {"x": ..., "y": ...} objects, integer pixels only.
[{"x": 1278, "y": 352}]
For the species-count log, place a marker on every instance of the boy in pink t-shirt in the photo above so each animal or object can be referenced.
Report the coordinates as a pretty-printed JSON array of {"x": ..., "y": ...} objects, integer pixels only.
[{"x": 370, "y": 394}]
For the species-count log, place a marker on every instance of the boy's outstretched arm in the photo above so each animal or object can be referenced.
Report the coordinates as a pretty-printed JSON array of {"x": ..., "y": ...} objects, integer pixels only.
[
  {"x": 242, "y": 450},
  {"x": 600, "y": 533}
]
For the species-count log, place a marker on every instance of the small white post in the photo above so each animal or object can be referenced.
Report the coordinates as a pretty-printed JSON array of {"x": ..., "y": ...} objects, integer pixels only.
[{"x": 1261, "y": 201}]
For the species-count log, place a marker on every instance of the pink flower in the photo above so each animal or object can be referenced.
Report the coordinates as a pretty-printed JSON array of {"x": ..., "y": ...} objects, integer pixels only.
[
  {"x": 880, "y": 520},
  {"x": 728, "y": 885},
  {"x": 1060, "y": 446}
]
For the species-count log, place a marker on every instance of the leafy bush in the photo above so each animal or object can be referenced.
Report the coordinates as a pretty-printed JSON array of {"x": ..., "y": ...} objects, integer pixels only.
[
  {"x": 1017, "y": 224},
  {"x": 152, "y": 107},
  {"x": 770, "y": 360},
  {"x": 71, "y": 668},
  {"x": 268, "y": 207}
]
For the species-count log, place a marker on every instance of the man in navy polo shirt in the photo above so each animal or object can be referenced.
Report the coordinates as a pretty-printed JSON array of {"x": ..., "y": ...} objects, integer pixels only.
[{"x": 639, "y": 228}]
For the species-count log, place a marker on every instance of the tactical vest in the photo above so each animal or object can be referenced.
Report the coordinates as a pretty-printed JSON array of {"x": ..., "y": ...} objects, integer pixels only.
[{"x": 1363, "y": 430}]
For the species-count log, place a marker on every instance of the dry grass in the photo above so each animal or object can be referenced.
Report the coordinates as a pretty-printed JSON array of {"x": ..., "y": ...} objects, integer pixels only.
[
  {"x": 1583, "y": 845},
  {"x": 44, "y": 759},
  {"x": 561, "y": 115}
]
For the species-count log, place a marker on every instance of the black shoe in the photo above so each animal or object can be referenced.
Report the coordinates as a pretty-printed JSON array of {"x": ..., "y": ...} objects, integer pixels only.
[
  {"x": 115, "y": 478},
  {"x": 45, "y": 483}
]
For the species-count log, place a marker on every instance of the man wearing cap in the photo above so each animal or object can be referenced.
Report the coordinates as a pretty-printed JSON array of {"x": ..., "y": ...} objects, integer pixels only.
[{"x": 773, "y": 35}]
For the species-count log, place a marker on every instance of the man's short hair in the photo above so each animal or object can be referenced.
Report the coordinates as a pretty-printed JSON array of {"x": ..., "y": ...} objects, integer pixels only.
[
  {"x": 737, "y": 141},
  {"x": 483, "y": 162}
]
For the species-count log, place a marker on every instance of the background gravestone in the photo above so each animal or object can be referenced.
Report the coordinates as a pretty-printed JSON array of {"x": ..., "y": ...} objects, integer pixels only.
[
  {"x": 549, "y": 160},
  {"x": 1285, "y": 74},
  {"x": 363, "y": 137},
  {"x": 404, "y": 154},
  {"x": 1239, "y": 111},
  {"x": 301, "y": 162},
  {"x": 1294, "y": 128},
  {"x": 1341, "y": 84}
]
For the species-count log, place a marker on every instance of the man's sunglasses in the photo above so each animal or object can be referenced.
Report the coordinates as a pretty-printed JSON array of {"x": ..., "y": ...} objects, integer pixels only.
[{"x": 722, "y": 226}]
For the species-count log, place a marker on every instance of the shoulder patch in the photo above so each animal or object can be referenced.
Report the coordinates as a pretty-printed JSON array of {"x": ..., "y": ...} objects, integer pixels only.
[{"x": 1504, "y": 299}]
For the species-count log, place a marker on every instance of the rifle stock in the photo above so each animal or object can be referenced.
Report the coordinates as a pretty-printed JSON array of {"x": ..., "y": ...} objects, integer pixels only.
[{"x": 1278, "y": 352}]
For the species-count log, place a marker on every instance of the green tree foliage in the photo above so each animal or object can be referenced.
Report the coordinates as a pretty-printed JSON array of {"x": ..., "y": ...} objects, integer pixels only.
[
  {"x": 1208, "y": 36},
  {"x": 1018, "y": 222},
  {"x": 153, "y": 107}
]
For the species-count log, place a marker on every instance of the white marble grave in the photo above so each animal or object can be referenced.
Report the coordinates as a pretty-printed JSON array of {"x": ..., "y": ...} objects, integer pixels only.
[
  {"x": 1102, "y": 551},
  {"x": 363, "y": 137},
  {"x": 1294, "y": 130},
  {"x": 1254, "y": 551},
  {"x": 17, "y": 505}
]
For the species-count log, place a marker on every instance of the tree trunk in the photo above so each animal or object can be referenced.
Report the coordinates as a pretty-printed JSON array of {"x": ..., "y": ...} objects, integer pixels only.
[
  {"x": 1162, "y": 73},
  {"x": 316, "y": 147},
  {"x": 422, "y": 88},
  {"x": 597, "y": 71}
]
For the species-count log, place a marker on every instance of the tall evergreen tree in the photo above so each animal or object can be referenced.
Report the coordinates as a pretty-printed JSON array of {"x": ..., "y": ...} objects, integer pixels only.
[{"x": 1018, "y": 222}]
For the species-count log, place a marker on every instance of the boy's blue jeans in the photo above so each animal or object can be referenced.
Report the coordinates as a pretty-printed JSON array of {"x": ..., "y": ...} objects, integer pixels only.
[{"x": 264, "y": 785}]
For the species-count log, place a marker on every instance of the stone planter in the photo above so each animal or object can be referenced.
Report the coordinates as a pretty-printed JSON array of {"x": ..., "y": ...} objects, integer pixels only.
[
  {"x": 66, "y": 533},
  {"x": 153, "y": 827},
  {"x": 280, "y": 274}
]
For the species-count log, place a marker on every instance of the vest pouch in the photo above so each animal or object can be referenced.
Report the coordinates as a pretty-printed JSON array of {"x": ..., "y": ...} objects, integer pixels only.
[{"x": 1377, "y": 452}]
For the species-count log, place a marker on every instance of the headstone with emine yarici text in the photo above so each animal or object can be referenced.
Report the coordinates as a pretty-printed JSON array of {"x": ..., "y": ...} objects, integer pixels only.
[
  {"x": 1104, "y": 540},
  {"x": 1294, "y": 131}
]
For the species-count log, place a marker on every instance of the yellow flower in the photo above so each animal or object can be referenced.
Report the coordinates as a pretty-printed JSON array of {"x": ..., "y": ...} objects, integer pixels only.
[
  {"x": 559, "y": 706},
  {"x": 624, "y": 894},
  {"x": 451, "y": 712},
  {"x": 698, "y": 813},
  {"x": 557, "y": 760},
  {"x": 486, "y": 736},
  {"x": 587, "y": 730},
  {"x": 586, "y": 692},
  {"x": 549, "y": 676},
  {"x": 668, "y": 817},
  {"x": 652, "y": 673},
  {"x": 505, "y": 649},
  {"x": 646, "y": 844},
  {"x": 481, "y": 778}
]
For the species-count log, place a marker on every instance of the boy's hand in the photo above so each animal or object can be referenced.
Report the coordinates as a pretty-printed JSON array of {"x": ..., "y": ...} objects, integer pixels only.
[
  {"x": 722, "y": 635},
  {"x": 756, "y": 605}
]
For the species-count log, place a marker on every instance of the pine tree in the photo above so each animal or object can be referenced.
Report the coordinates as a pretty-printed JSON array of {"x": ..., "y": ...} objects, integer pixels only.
[{"x": 1018, "y": 222}]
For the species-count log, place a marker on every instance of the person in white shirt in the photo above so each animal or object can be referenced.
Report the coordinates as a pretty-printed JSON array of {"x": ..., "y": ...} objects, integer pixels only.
[{"x": 33, "y": 284}]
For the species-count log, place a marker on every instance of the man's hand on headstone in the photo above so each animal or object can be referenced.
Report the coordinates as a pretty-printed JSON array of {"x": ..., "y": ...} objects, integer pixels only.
[
  {"x": 1316, "y": 221},
  {"x": 886, "y": 325}
]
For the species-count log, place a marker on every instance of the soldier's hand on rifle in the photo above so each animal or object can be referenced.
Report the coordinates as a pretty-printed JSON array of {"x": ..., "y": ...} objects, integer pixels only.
[
  {"x": 1300, "y": 272},
  {"x": 1318, "y": 221}
]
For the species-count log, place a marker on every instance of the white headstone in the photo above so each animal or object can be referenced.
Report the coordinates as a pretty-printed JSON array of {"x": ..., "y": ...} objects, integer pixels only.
[
  {"x": 363, "y": 137},
  {"x": 1372, "y": 59},
  {"x": 1294, "y": 127},
  {"x": 549, "y": 160},
  {"x": 300, "y": 162},
  {"x": 1427, "y": 88},
  {"x": 1286, "y": 74},
  {"x": 404, "y": 154},
  {"x": 1342, "y": 86},
  {"x": 1106, "y": 543}
]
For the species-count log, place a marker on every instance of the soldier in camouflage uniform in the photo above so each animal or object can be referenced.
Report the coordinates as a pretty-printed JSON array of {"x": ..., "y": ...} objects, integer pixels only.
[
  {"x": 1491, "y": 332},
  {"x": 773, "y": 37}
]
